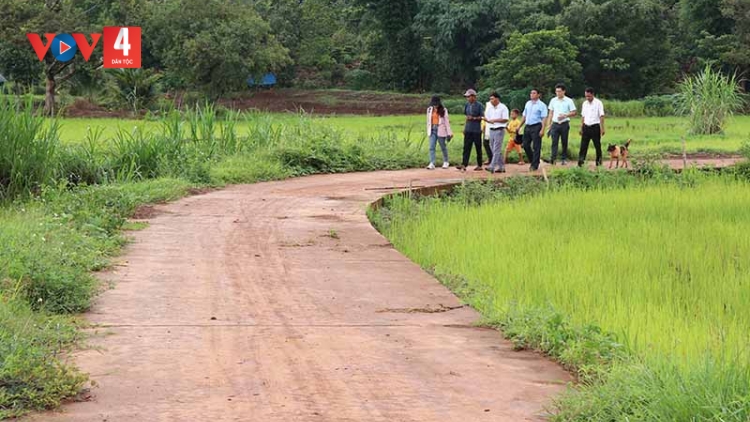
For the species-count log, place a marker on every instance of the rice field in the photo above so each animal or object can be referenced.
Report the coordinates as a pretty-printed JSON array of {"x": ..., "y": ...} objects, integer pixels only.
[
  {"x": 664, "y": 268},
  {"x": 649, "y": 134}
]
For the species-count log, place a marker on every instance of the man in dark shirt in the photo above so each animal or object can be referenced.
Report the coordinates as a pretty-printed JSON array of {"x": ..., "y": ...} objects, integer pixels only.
[{"x": 472, "y": 130}]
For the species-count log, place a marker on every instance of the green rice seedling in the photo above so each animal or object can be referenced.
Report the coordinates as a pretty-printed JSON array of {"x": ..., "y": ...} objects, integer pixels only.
[{"x": 656, "y": 266}]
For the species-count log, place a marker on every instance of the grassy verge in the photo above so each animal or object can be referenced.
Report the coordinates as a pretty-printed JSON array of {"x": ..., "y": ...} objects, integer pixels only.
[
  {"x": 634, "y": 282},
  {"x": 50, "y": 246}
]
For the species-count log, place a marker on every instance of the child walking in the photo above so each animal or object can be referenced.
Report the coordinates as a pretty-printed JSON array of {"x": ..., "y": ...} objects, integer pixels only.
[{"x": 514, "y": 138}]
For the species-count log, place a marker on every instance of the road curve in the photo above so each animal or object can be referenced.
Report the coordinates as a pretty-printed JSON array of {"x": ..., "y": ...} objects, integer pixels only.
[{"x": 279, "y": 302}]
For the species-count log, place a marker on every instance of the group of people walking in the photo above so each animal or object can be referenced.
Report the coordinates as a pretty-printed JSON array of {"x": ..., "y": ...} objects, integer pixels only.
[{"x": 489, "y": 124}]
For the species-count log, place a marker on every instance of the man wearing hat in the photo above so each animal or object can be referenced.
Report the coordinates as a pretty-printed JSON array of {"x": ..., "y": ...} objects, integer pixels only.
[{"x": 472, "y": 130}]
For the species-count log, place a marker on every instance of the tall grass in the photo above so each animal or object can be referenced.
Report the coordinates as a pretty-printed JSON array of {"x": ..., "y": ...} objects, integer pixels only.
[
  {"x": 661, "y": 268},
  {"x": 28, "y": 145},
  {"x": 709, "y": 99}
]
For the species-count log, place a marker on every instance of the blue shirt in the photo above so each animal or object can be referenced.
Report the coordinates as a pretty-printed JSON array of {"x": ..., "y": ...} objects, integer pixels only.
[
  {"x": 534, "y": 113},
  {"x": 560, "y": 107}
]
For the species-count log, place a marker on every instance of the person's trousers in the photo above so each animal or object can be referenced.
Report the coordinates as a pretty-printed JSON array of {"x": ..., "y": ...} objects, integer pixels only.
[
  {"x": 474, "y": 139},
  {"x": 588, "y": 134},
  {"x": 559, "y": 131},
  {"x": 496, "y": 139},
  {"x": 487, "y": 146},
  {"x": 532, "y": 144},
  {"x": 434, "y": 139}
]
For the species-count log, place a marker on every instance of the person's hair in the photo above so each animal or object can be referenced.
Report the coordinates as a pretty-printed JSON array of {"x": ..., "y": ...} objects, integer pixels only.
[
  {"x": 435, "y": 102},
  {"x": 534, "y": 89},
  {"x": 515, "y": 110},
  {"x": 590, "y": 90},
  {"x": 561, "y": 86},
  {"x": 495, "y": 94}
]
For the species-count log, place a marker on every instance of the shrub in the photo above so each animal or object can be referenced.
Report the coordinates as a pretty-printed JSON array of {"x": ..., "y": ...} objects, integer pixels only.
[
  {"x": 360, "y": 80},
  {"x": 660, "y": 105},
  {"x": 31, "y": 376},
  {"x": 134, "y": 88},
  {"x": 709, "y": 99}
]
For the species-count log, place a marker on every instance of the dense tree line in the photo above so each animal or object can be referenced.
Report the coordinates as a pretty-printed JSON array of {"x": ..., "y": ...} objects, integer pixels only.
[{"x": 624, "y": 48}]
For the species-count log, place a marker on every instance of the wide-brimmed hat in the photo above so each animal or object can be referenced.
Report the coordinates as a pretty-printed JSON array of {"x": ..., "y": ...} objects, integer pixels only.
[{"x": 469, "y": 93}]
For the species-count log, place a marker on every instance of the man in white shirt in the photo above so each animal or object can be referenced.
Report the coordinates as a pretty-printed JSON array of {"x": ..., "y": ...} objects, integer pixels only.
[
  {"x": 496, "y": 116},
  {"x": 561, "y": 110},
  {"x": 486, "y": 138},
  {"x": 592, "y": 127}
]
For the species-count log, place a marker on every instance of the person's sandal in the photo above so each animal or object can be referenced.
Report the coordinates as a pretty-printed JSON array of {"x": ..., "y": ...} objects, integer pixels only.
[{"x": 478, "y": 168}]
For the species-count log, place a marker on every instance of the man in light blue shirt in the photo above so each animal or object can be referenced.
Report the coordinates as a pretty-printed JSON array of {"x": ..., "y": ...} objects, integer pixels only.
[
  {"x": 562, "y": 109},
  {"x": 534, "y": 116}
]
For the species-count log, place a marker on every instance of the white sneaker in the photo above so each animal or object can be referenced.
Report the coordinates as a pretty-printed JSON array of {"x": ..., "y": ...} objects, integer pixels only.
[
  {"x": 446, "y": 165},
  {"x": 431, "y": 166}
]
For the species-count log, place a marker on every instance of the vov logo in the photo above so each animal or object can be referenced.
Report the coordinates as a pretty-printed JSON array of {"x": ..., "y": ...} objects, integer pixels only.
[{"x": 122, "y": 46}]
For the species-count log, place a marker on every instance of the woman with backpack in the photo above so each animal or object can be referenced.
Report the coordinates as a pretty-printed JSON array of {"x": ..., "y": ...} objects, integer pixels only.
[{"x": 438, "y": 130}]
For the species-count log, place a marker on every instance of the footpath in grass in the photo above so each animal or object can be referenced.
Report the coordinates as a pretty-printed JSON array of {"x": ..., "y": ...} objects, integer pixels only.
[{"x": 638, "y": 284}]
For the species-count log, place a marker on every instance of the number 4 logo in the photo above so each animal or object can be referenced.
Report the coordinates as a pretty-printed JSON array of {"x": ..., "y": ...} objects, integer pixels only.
[{"x": 122, "y": 47}]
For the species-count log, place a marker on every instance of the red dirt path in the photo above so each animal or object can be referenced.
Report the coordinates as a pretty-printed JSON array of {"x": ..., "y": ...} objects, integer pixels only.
[{"x": 240, "y": 305}]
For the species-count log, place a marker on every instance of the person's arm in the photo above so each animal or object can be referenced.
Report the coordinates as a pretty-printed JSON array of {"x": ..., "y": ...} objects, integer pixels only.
[
  {"x": 544, "y": 120},
  {"x": 583, "y": 120},
  {"x": 429, "y": 121},
  {"x": 448, "y": 124},
  {"x": 550, "y": 114},
  {"x": 601, "y": 118},
  {"x": 503, "y": 115},
  {"x": 573, "y": 112}
]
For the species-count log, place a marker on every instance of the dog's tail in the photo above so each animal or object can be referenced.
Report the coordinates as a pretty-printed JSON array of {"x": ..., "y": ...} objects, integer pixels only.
[{"x": 627, "y": 144}]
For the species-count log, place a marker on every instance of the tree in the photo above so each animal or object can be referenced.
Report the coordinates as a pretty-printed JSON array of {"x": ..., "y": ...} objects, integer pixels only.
[
  {"x": 458, "y": 38},
  {"x": 397, "y": 44},
  {"x": 213, "y": 45},
  {"x": 538, "y": 59},
  {"x": 40, "y": 17},
  {"x": 643, "y": 59}
]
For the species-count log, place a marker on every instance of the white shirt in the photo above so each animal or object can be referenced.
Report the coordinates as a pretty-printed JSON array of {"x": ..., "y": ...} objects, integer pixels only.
[
  {"x": 496, "y": 112},
  {"x": 559, "y": 107},
  {"x": 592, "y": 112}
]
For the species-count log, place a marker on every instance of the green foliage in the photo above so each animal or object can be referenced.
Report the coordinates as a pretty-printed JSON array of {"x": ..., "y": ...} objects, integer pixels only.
[
  {"x": 626, "y": 50},
  {"x": 709, "y": 99},
  {"x": 582, "y": 349},
  {"x": 135, "y": 89},
  {"x": 214, "y": 45},
  {"x": 31, "y": 376},
  {"x": 537, "y": 59},
  {"x": 28, "y": 146},
  {"x": 660, "y": 105},
  {"x": 359, "y": 80},
  {"x": 634, "y": 390},
  {"x": 397, "y": 45}
]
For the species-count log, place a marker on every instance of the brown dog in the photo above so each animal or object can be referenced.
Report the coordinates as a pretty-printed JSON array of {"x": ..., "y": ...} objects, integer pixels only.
[{"x": 616, "y": 152}]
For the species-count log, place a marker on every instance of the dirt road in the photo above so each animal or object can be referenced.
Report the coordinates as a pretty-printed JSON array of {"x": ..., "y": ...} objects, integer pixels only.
[{"x": 279, "y": 302}]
